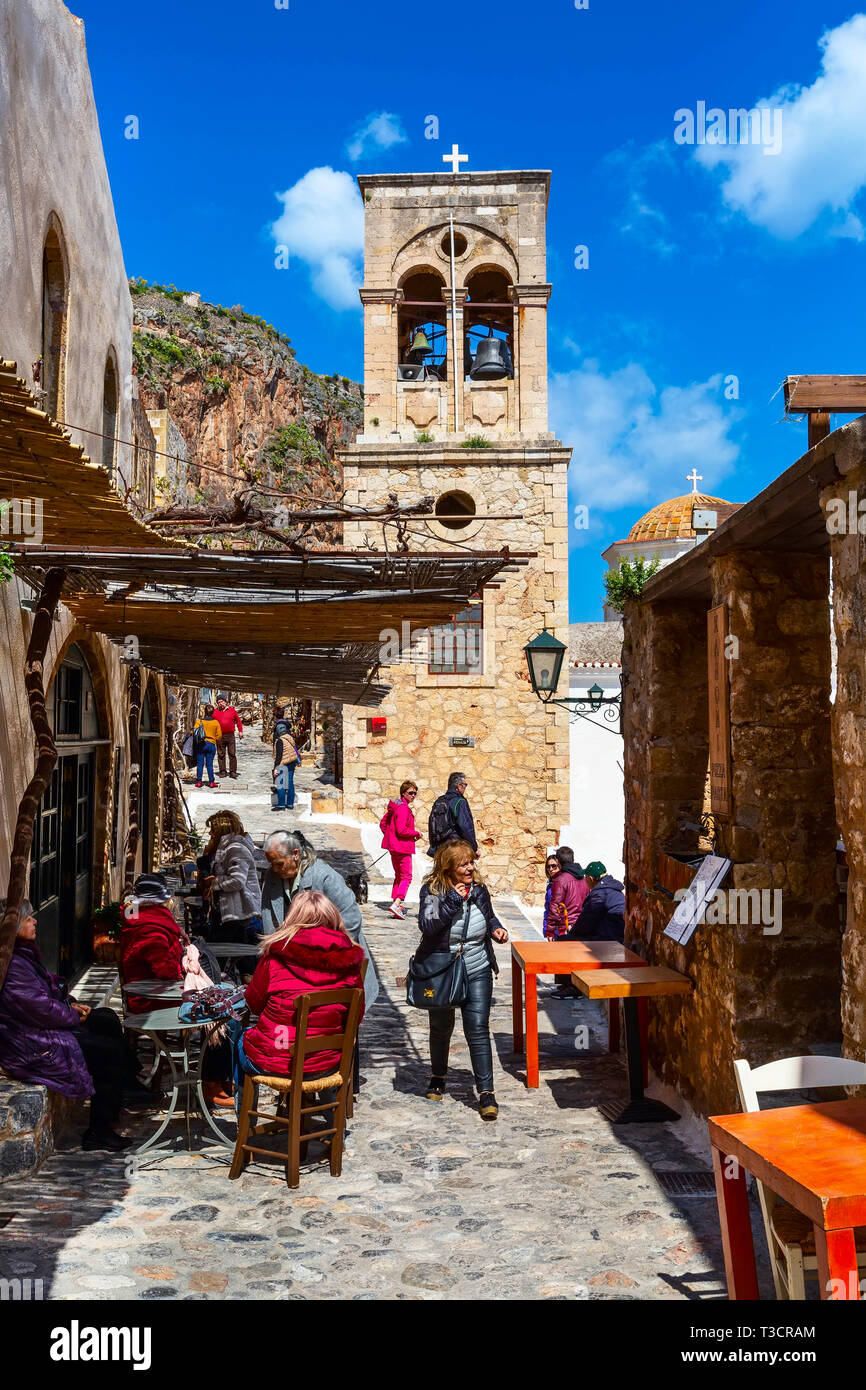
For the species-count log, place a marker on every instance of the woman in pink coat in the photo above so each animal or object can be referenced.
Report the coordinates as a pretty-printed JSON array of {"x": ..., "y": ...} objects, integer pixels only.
[{"x": 399, "y": 836}]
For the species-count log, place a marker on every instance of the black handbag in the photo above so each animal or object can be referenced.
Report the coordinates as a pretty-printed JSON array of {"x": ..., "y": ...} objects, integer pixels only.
[{"x": 439, "y": 981}]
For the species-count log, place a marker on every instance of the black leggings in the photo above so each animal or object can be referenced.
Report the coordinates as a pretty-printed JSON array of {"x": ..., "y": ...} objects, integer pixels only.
[
  {"x": 110, "y": 1062},
  {"x": 476, "y": 1029}
]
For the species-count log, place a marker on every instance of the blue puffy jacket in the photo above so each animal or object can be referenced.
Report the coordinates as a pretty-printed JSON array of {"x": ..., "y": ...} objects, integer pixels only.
[{"x": 602, "y": 917}]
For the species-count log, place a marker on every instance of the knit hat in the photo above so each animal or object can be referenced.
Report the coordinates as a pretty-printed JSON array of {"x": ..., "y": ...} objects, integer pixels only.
[
  {"x": 151, "y": 888},
  {"x": 595, "y": 870}
]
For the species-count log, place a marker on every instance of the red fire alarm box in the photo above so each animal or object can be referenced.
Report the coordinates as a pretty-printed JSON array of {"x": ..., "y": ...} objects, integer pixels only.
[{"x": 378, "y": 726}]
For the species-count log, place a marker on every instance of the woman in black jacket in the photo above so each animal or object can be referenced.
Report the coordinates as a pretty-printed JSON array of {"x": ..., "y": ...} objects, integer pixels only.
[{"x": 455, "y": 913}]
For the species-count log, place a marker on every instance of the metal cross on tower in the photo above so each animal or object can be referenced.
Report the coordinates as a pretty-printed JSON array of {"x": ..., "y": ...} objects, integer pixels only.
[{"x": 694, "y": 478}]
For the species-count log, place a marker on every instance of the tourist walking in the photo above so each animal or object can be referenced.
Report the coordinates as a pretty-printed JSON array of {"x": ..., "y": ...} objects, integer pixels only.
[
  {"x": 456, "y": 914},
  {"x": 311, "y": 951},
  {"x": 450, "y": 816},
  {"x": 294, "y": 868},
  {"x": 552, "y": 869},
  {"x": 206, "y": 737},
  {"x": 230, "y": 725},
  {"x": 234, "y": 880},
  {"x": 398, "y": 837},
  {"x": 602, "y": 917},
  {"x": 286, "y": 759},
  {"x": 48, "y": 1039}
]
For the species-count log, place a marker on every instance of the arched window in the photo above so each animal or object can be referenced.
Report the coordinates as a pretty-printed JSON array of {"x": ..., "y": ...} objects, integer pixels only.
[
  {"x": 488, "y": 315},
  {"x": 54, "y": 316},
  {"x": 109, "y": 412},
  {"x": 422, "y": 334}
]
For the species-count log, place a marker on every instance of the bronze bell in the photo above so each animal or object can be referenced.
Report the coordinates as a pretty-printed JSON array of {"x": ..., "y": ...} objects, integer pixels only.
[
  {"x": 421, "y": 344},
  {"x": 491, "y": 360}
]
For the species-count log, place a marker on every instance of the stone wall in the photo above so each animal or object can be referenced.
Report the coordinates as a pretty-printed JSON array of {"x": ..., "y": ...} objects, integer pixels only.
[
  {"x": 518, "y": 768},
  {"x": 31, "y": 1119},
  {"x": 848, "y": 550},
  {"x": 756, "y": 994}
]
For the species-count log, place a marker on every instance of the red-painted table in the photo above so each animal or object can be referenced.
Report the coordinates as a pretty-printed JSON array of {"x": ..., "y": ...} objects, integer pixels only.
[
  {"x": 813, "y": 1156},
  {"x": 529, "y": 959}
]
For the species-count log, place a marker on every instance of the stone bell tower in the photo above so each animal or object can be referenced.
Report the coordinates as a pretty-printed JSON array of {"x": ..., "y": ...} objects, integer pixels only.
[{"x": 455, "y": 376}]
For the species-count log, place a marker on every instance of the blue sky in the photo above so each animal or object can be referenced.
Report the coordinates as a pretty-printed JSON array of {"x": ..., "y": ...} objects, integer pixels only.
[{"x": 706, "y": 262}]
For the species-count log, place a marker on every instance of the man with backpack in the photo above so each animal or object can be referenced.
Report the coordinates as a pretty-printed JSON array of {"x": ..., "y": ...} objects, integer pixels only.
[{"x": 450, "y": 816}]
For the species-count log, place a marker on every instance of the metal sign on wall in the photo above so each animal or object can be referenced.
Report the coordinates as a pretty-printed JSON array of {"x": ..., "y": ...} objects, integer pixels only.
[{"x": 720, "y": 712}]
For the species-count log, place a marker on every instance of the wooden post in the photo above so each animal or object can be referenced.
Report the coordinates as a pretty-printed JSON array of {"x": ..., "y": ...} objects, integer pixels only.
[
  {"x": 46, "y": 757},
  {"x": 819, "y": 426},
  {"x": 133, "y": 828}
]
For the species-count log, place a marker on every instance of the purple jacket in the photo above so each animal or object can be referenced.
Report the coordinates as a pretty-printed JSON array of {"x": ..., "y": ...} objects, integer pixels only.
[{"x": 37, "y": 1042}]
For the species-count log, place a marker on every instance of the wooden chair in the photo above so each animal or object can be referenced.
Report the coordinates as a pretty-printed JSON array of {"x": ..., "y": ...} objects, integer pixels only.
[
  {"x": 292, "y": 1115},
  {"x": 790, "y": 1237},
  {"x": 356, "y": 1060}
]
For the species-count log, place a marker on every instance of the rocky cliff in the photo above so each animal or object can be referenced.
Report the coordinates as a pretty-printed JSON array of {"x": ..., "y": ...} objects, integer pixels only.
[{"x": 236, "y": 391}]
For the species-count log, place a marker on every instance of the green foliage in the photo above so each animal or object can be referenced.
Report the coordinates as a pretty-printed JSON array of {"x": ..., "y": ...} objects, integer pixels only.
[
  {"x": 7, "y": 563},
  {"x": 290, "y": 446},
  {"x": 138, "y": 285},
  {"x": 148, "y": 348},
  {"x": 476, "y": 441},
  {"x": 424, "y": 437},
  {"x": 109, "y": 918},
  {"x": 216, "y": 385},
  {"x": 625, "y": 585},
  {"x": 375, "y": 420}
]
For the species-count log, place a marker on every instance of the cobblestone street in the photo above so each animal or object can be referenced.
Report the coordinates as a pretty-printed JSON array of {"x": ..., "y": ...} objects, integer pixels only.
[{"x": 550, "y": 1202}]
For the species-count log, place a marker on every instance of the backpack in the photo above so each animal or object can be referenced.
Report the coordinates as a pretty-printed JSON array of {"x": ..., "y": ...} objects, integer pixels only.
[
  {"x": 199, "y": 738},
  {"x": 442, "y": 823}
]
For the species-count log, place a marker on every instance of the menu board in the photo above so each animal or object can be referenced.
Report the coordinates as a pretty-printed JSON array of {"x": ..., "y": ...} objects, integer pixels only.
[{"x": 700, "y": 892}]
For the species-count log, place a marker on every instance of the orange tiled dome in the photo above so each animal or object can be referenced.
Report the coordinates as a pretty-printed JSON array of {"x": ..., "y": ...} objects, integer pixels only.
[{"x": 672, "y": 521}]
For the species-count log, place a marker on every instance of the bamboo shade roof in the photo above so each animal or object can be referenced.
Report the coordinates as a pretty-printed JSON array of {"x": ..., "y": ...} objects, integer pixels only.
[{"x": 312, "y": 621}]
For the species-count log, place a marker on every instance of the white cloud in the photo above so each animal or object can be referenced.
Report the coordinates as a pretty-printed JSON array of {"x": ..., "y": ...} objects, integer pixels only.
[
  {"x": 379, "y": 132},
  {"x": 635, "y": 444},
  {"x": 322, "y": 224},
  {"x": 821, "y": 167}
]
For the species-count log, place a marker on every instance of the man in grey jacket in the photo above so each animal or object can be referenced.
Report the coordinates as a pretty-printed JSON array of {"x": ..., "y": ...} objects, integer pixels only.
[{"x": 294, "y": 867}]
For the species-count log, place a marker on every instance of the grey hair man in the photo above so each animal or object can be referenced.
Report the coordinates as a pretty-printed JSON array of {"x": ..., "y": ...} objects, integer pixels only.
[
  {"x": 451, "y": 817},
  {"x": 294, "y": 867}
]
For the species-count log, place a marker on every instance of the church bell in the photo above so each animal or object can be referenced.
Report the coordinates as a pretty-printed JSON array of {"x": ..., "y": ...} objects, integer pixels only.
[
  {"x": 421, "y": 344},
  {"x": 491, "y": 360}
]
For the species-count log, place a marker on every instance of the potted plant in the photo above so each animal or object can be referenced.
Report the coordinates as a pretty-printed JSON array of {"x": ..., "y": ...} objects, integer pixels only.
[{"x": 106, "y": 923}]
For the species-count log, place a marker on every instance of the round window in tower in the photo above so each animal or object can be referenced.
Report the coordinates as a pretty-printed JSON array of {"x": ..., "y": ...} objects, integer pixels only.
[
  {"x": 460, "y": 244},
  {"x": 455, "y": 510}
]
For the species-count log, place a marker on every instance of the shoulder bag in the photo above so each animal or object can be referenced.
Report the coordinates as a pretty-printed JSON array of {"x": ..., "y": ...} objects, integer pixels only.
[{"x": 439, "y": 981}]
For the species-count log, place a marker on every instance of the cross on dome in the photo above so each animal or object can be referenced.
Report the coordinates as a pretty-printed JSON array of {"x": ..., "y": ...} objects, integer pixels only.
[
  {"x": 694, "y": 478},
  {"x": 455, "y": 159}
]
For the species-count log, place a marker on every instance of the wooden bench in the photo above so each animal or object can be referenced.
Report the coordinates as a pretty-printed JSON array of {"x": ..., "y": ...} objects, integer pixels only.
[{"x": 632, "y": 986}]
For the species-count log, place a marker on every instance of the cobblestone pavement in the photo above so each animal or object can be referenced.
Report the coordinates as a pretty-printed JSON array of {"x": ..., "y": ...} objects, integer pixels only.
[{"x": 549, "y": 1202}]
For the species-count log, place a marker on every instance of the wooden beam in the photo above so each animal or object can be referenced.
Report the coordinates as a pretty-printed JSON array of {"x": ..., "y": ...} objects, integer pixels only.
[
  {"x": 133, "y": 829},
  {"x": 845, "y": 394}
]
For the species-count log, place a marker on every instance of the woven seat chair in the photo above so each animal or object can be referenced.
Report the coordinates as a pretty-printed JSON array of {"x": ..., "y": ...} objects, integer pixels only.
[{"x": 293, "y": 1116}]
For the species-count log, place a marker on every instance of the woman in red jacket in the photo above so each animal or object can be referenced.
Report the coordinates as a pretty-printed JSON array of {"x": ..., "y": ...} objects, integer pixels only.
[
  {"x": 151, "y": 941},
  {"x": 399, "y": 836},
  {"x": 311, "y": 951}
]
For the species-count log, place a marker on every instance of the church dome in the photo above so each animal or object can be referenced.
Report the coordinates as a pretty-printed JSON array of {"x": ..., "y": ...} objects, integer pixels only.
[{"x": 672, "y": 521}]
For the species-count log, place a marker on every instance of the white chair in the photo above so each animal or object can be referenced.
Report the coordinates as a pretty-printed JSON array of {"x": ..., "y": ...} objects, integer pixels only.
[{"x": 790, "y": 1236}]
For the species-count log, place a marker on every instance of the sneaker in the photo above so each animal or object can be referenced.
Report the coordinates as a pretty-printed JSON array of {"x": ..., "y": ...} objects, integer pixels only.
[
  {"x": 104, "y": 1139},
  {"x": 213, "y": 784},
  {"x": 566, "y": 993},
  {"x": 397, "y": 912},
  {"x": 436, "y": 1089},
  {"x": 487, "y": 1107},
  {"x": 198, "y": 784}
]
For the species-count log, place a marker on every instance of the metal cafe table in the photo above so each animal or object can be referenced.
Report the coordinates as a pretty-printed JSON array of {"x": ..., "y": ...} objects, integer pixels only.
[
  {"x": 529, "y": 959},
  {"x": 172, "y": 1039}
]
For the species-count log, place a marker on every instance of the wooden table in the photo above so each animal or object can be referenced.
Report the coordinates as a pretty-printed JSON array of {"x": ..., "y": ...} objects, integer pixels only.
[
  {"x": 632, "y": 986},
  {"x": 529, "y": 959},
  {"x": 813, "y": 1156}
]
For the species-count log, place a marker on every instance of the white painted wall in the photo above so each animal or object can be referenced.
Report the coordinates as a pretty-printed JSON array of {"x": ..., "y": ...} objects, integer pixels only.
[{"x": 597, "y": 800}]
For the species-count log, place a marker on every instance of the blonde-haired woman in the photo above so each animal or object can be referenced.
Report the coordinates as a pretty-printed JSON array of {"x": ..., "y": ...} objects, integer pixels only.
[
  {"x": 310, "y": 951},
  {"x": 456, "y": 913}
]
